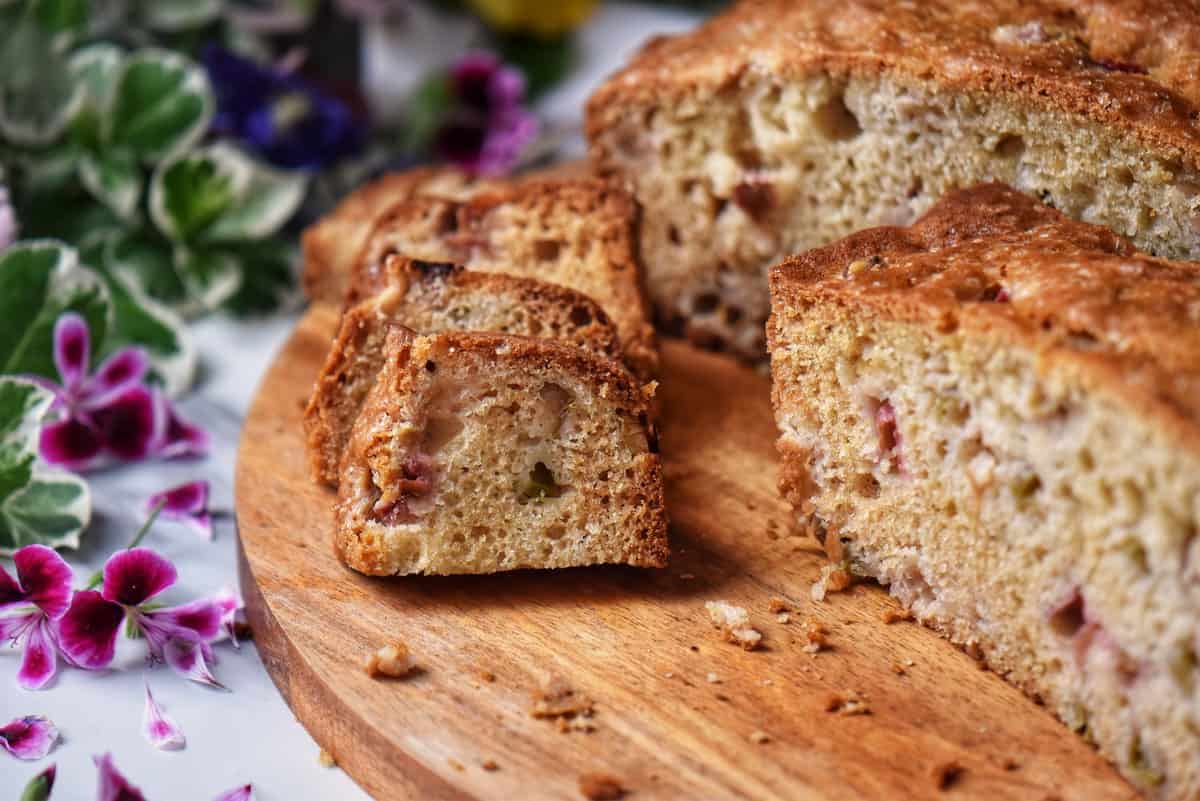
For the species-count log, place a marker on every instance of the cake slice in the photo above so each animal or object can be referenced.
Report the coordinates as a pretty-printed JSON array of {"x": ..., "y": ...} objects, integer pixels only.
[
  {"x": 782, "y": 125},
  {"x": 481, "y": 452},
  {"x": 996, "y": 413},
  {"x": 430, "y": 297},
  {"x": 331, "y": 244},
  {"x": 576, "y": 232}
]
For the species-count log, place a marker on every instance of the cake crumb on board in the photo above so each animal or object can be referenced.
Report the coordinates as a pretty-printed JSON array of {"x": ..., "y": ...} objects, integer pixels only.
[
  {"x": 325, "y": 759},
  {"x": 393, "y": 661},
  {"x": 734, "y": 624},
  {"x": 759, "y": 737},
  {"x": 834, "y": 578},
  {"x": 892, "y": 615},
  {"x": 555, "y": 699},
  {"x": 600, "y": 787},
  {"x": 846, "y": 703},
  {"x": 815, "y": 635},
  {"x": 489, "y": 765}
]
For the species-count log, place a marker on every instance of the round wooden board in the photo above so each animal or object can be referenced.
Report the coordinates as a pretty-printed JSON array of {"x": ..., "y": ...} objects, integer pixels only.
[{"x": 676, "y": 706}]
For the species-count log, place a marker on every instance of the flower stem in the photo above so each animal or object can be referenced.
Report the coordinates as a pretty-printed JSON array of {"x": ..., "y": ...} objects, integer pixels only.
[{"x": 98, "y": 577}]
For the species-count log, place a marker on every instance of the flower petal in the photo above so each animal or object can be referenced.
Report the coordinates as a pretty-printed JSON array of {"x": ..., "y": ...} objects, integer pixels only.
[
  {"x": 46, "y": 579},
  {"x": 197, "y": 620},
  {"x": 88, "y": 632},
  {"x": 181, "y": 437},
  {"x": 123, "y": 370},
  {"x": 11, "y": 593},
  {"x": 229, "y": 603},
  {"x": 72, "y": 350},
  {"x": 243, "y": 793},
  {"x": 187, "y": 503},
  {"x": 131, "y": 424},
  {"x": 70, "y": 443},
  {"x": 186, "y": 657},
  {"x": 41, "y": 657},
  {"x": 39, "y": 787},
  {"x": 112, "y": 785},
  {"x": 159, "y": 728},
  {"x": 29, "y": 737},
  {"x": 12, "y": 627},
  {"x": 134, "y": 576}
]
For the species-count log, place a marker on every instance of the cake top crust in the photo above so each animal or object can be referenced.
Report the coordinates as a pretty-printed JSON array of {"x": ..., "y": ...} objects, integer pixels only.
[
  {"x": 1129, "y": 63},
  {"x": 990, "y": 259}
]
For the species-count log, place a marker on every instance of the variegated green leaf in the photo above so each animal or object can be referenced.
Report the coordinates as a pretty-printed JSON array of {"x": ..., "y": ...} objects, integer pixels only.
[
  {"x": 39, "y": 281},
  {"x": 180, "y": 15},
  {"x": 188, "y": 194},
  {"x": 212, "y": 277},
  {"x": 114, "y": 178},
  {"x": 38, "y": 98},
  {"x": 38, "y": 504},
  {"x": 161, "y": 105},
  {"x": 263, "y": 199}
]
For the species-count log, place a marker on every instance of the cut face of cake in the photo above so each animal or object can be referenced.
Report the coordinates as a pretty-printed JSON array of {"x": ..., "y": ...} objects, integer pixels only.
[
  {"x": 782, "y": 125},
  {"x": 996, "y": 413},
  {"x": 431, "y": 297},
  {"x": 577, "y": 232},
  {"x": 477, "y": 453}
]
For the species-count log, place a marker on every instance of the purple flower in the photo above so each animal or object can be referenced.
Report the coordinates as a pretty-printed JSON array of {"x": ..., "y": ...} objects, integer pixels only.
[
  {"x": 187, "y": 503},
  {"x": 111, "y": 413},
  {"x": 178, "y": 635},
  {"x": 242, "y": 793},
  {"x": 288, "y": 121},
  {"x": 29, "y": 738},
  {"x": 230, "y": 604},
  {"x": 159, "y": 728},
  {"x": 8, "y": 220},
  {"x": 486, "y": 128},
  {"x": 30, "y": 605}
]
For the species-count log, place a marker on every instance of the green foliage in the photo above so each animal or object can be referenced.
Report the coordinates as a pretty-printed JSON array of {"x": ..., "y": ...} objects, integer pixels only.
[
  {"x": 100, "y": 148},
  {"x": 38, "y": 504}
]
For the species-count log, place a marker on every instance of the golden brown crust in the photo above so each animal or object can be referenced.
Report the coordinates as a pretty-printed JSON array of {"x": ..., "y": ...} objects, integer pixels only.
[
  {"x": 607, "y": 215},
  {"x": 1131, "y": 64},
  {"x": 992, "y": 261},
  {"x": 410, "y": 362},
  {"x": 356, "y": 353},
  {"x": 330, "y": 244}
]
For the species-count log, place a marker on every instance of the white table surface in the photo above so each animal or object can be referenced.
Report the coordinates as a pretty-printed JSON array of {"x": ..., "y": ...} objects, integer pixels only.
[{"x": 247, "y": 734}]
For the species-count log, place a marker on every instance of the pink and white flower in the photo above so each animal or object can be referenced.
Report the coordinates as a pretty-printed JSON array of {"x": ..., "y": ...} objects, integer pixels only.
[
  {"x": 187, "y": 503},
  {"x": 28, "y": 738},
  {"x": 160, "y": 728},
  {"x": 109, "y": 413},
  {"x": 30, "y": 606},
  {"x": 178, "y": 635}
]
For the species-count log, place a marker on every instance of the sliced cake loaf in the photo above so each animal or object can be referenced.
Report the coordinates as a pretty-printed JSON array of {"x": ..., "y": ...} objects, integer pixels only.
[
  {"x": 331, "y": 244},
  {"x": 576, "y": 232},
  {"x": 996, "y": 413},
  {"x": 477, "y": 453},
  {"x": 430, "y": 297},
  {"x": 781, "y": 125}
]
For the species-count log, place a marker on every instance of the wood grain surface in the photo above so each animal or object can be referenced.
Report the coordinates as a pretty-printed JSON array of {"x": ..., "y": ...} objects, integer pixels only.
[{"x": 677, "y": 708}]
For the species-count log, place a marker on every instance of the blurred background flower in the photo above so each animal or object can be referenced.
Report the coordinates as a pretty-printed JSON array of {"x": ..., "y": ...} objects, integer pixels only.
[
  {"x": 485, "y": 127},
  {"x": 8, "y": 220}
]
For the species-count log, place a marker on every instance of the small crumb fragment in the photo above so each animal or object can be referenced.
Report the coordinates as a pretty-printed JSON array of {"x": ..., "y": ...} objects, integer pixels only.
[
  {"x": 600, "y": 787},
  {"x": 846, "y": 704},
  {"x": 899, "y": 669},
  {"x": 734, "y": 624},
  {"x": 909, "y": 663},
  {"x": 766, "y": 682},
  {"x": 834, "y": 578},
  {"x": 816, "y": 634},
  {"x": 946, "y": 775},
  {"x": 783, "y": 617},
  {"x": 325, "y": 759},
  {"x": 485, "y": 675},
  {"x": 668, "y": 675},
  {"x": 713, "y": 678},
  {"x": 391, "y": 660},
  {"x": 557, "y": 700},
  {"x": 777, "y": 605},
  {"x": 1010, "y": 764},
  {"x": 892, "y": 615},
  {"x": 454, "y": 763},
  {"x": 760, "y": 737},
  {"x": 489, "y": 765}
]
